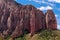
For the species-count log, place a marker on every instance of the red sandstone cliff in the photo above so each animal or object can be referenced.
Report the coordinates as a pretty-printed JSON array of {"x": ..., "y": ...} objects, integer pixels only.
[
  {"x": 15, "y": 19},
  {"x": 50, "y": 20}
]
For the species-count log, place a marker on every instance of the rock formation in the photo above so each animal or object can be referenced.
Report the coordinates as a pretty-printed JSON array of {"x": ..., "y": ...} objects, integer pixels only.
[
  {"x": 50, "y": 20},
  {"x": 15, "y": 19}
]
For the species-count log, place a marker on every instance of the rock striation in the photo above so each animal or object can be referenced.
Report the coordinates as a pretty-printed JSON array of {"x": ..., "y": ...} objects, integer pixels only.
[
  {"x": 15, "y": 19},
  {"x": 51, "y": 22}
]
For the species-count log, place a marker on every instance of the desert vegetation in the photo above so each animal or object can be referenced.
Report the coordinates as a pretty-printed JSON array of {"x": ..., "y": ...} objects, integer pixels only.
[{"x": 42, "y": 35}]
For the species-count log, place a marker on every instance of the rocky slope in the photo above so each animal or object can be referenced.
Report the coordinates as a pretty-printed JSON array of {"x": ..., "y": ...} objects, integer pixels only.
[{"x": 15, "y": 19}]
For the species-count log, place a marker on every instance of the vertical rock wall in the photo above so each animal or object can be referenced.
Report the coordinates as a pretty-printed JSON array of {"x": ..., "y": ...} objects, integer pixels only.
[
  {"x": 50, "y": 20},
  {"x": 15, "y": 19}
]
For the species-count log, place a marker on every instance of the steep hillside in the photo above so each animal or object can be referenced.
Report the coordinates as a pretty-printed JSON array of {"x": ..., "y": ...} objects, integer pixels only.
[{"x": 43, "y": 35}]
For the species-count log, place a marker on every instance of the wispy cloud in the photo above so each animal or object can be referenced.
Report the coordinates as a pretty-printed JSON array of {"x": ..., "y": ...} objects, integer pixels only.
[
  {"x": 45, "y": 8},
  {"x": 57, "y": 1},
  {"x": 42, "y": 2},
  {"x": 58, "y": 27},
  {"x": 56, "y": 15}
]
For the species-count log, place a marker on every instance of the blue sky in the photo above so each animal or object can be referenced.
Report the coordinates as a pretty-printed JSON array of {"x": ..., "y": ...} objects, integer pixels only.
[{"x": 45, "y": 5}]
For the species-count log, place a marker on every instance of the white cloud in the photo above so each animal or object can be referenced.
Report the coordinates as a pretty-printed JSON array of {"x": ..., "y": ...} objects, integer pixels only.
[
  {"x": 58, "y": 1},
  {"x": 56, "y": 15},
  {"x": 45, "y": 8},
  {"x": 58, "y": 27},
  {"x": 42, "y": 1},
  {"x": 36, "y": 0}
]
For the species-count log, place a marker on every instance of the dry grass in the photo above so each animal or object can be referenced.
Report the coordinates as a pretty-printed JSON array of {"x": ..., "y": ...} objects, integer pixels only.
[{"x": 43, "y": 35}]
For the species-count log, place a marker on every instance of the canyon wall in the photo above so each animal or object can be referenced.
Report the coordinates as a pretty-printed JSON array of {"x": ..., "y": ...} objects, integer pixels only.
[{"x": 15, "y": 19}]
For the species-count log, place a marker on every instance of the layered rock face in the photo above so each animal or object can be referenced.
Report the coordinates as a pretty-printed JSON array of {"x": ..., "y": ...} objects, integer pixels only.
[
  {"x": 15, "y": 19},
  {"x": 51, "y": 22}
]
